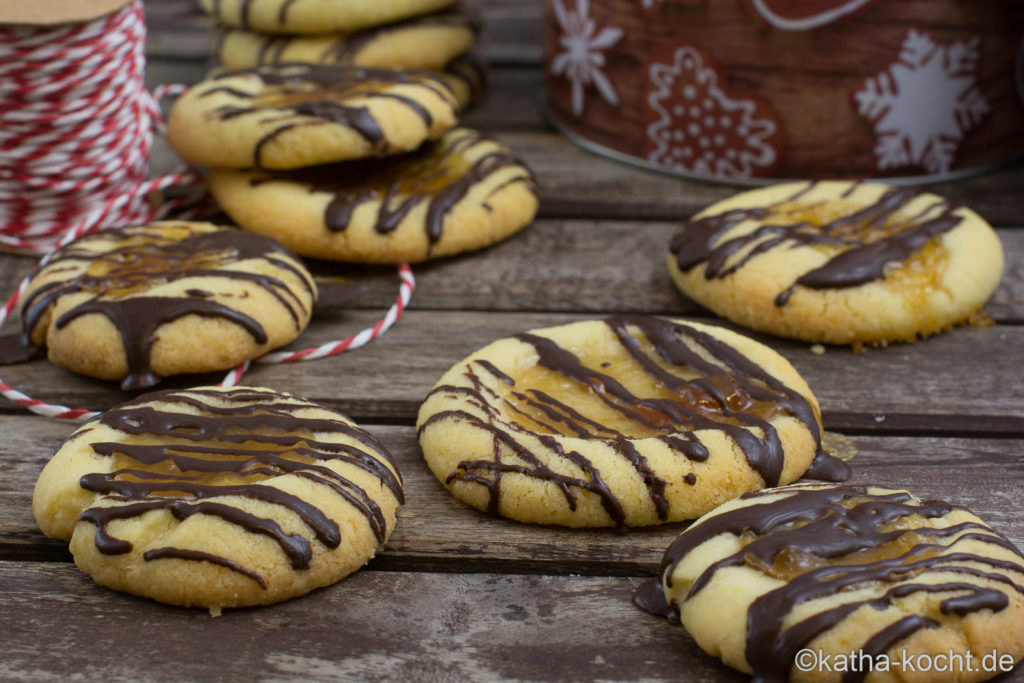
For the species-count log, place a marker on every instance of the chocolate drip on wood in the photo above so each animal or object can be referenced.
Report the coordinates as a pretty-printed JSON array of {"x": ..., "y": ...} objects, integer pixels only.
[
  {"x": 827, "y": 467},
  {"x": 837, "y": 523},
  {"x": 18, "y": 348},
  {"x": 732, "y": 395},
  {"x": 189, "y": 462},
  {"x": 650, "y": 597},
  {"x": 144, "y": 258},
  {"x": 701, "y": 240}
]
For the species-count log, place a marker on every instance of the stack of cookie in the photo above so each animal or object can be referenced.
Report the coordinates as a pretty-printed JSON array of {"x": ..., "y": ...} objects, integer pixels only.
[
  {"x": 436, "y": 35},
  {"x": 351, "y": 163}
]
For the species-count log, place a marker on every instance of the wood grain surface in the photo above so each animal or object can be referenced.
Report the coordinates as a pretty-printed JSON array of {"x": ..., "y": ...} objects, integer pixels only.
[{"x": 457, "y": 595}]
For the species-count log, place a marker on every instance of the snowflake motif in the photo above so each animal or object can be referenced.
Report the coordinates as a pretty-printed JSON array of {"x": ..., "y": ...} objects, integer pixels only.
[
  {"x": 922, "y": 106},
  {"x": 701, "y": 128},
  {"x": 582, "y": 58}
]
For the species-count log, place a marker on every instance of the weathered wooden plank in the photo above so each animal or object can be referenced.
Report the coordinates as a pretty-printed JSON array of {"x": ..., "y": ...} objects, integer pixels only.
[
  {"x": 968, "y": 372},
  {"x": 577, "y": 183},
  {"x": 559, "y": 265},
  {"x": 436, "y": 532},
  {"x": 56, "y": 625},
  {"x": 178, "y": 29}
]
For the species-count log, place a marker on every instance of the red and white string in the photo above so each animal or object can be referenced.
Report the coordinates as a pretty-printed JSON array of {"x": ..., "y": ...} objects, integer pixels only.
[{"x": 76, "y": 129}]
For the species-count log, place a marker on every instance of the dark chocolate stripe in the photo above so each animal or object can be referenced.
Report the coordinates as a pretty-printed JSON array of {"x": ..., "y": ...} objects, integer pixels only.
[
  {"x": 252, "y": 435},
  {"x": 200, "y": 556}
]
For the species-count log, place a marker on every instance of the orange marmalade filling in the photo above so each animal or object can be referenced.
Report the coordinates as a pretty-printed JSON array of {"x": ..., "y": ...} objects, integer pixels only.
[
  {"x": 206, "y": 463},
  {"x": 530, "y": 410},
  {"x": 793, "y": 562},
  {"x": 141, "y": 266}
]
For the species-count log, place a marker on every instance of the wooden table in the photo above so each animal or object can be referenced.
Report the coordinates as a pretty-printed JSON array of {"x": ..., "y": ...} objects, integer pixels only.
[{"x": 457, "y": 595}]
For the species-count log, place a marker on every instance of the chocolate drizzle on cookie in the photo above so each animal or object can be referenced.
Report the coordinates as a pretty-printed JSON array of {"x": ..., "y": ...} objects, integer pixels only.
[
  {"x": 142, "y": 258},
  {"x": 832, "y": 541},
  {"x": 727, "y": 393},
  {"x": 232, "y": 443},
  {"x": 300, "y": 95},
  {"x": 865, "y": 241},
  {"x": 346, "y": 49},
  {"x": 437, "y": 174}
]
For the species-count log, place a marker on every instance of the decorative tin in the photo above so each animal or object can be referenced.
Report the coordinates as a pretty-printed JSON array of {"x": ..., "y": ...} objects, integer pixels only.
[{"x": 749, "y": 90}]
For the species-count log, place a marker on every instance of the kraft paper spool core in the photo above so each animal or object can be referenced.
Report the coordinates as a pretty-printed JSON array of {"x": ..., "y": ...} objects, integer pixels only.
[{"x": 51, "y": 12}]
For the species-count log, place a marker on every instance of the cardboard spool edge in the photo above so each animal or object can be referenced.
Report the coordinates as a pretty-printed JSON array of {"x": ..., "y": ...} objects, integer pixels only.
[{"x": 52, "y": 12}]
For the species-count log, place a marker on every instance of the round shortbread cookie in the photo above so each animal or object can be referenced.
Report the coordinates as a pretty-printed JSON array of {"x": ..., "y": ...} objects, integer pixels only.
[
  {"x": 425, "y": 42},
  {"x": 462, "y": 192},
  {"x": 305, "y": 114},
  {"x": 140, "y": 303},
  {"x": 316, "y": 16},
  {"x": 838, "y": 262},
  {"x": 779, "y": 583},
  {"x": 219, "y": 497},
  {"x": 630, "y": 421}
]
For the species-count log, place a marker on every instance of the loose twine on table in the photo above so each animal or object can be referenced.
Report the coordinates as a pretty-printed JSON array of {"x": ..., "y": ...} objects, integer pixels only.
[{"x": 76, "y": 130}]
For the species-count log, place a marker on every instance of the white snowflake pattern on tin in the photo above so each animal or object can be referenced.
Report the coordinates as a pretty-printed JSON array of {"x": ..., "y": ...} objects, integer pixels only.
[
  {"x": 700, "y": 127},
  {"x": 582, "y": 59},
  {"x": 921, "y": 106}
]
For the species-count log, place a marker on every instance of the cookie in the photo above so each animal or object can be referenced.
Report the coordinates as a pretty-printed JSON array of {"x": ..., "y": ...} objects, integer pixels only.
[
  {"x": 426, "y": 42},
  {"x": 305, "y": 114},
  {"x": 630, "y": 421},
  {"x": 838, "y": 262},
  {"x": 140, "y": 303},
  {"x": 847, "y": 569},
  {"x": 317, "y": 16},
  {"x": 219, "y": 497},
  {"x": 462, "y": 192}
]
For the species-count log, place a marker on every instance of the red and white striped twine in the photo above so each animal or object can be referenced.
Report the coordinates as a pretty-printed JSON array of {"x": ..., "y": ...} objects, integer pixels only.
[
  {"x": 76, "y": 129},
  {"x": 333, "y": 348}
]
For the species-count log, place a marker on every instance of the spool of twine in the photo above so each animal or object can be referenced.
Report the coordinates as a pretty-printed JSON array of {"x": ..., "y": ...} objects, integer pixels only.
[{"x": 76, "y": 123}]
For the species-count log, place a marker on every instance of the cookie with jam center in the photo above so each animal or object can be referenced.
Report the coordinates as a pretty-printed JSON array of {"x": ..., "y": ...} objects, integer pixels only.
[
  {"x": 841, "y": 569},
  {"x": 295, "y": 115},
  {"x": 219, "y": 497},
  {"x": 140, "y": 303},
  {"x": 462, "y": 192},
  {"x": 425, "y": 42},
  {"x": 838, "y": 262},
  {"x": 316, "y": 16},
  {"x": 630, "y": 421}
]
